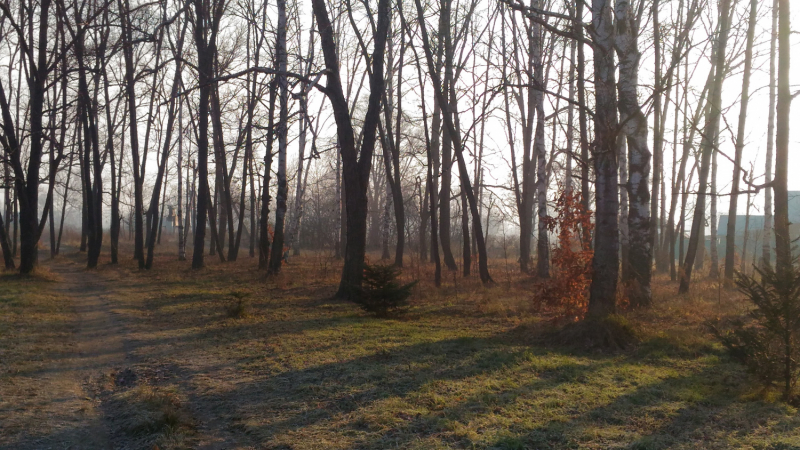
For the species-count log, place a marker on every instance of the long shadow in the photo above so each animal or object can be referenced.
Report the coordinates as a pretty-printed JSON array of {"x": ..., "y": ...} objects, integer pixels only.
[
  {"x": 292, "y": 400},
  {"x": 706, "y": 398}
]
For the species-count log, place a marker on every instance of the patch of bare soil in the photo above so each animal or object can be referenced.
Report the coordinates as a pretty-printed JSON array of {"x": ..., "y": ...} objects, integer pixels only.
[{"x": 79, "y": 388}]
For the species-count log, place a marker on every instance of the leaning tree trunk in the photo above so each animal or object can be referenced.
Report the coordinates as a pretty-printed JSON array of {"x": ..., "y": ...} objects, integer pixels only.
[
  {"x": 162, "y": 166},
  {"x": 451, "y": 124},
  {"x": 711, "y": 131},
  {"x": 445, "y": 47}
]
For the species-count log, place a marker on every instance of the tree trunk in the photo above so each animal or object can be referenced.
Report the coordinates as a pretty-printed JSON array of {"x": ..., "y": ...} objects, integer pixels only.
[
  {"x": 605, "y": 263},
  {"x": 746, "y": 228},
  {"x": 711, "y": 131},
  {"x": 130, "y": 92},
  {"x": 713, "y": 271},
  {"x": 446, "y": 47},
  {"x": 624, "y": 234},
  {"x": 205, "y": 33},
  {"x": 356, "y": 168},
  {"x": 730, "y": 243},
  {"x": 783, "y": 260},
  {"x": 451, "y": 123},
  {"x": 582, "y": 119},
  {"x": 26, "y": 183},
  {"x": 658, "y": 136},
  {"x": 431, "y": 181},
  {"x": 767, "y": 237},
  {"x": 283, "y": 130},
  {"x": 638, "y": 273},
  {"x": 540, "y": 152},
  {"x": 265, "y": 238},
  {"x": 155, "y": 229},
  {"x": 466, "y": 244}
]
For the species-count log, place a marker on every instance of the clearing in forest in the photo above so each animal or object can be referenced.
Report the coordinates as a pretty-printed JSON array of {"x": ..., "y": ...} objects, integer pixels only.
[{"x": 224, "y": 358}]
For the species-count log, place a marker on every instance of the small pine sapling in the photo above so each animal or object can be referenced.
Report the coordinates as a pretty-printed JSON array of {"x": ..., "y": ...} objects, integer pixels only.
[
  {"x": 381, "y": 293},
  {"x": 767, "y": 339},
  {"x": 238, "y": 309}
]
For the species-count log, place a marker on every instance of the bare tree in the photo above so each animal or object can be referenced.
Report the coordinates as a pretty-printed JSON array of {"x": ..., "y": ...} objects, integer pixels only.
[
  {"x": 281, "y": 58},
  {"x": 783, "y": 253},
  {"x": 207, "y": 16},
  {"x": 740, "y": 133},
  {"x": 773, "y": 43},
  {"x": 605, "y": 263},
  {"x": 640, "y": 250},
  {"x": 707, "y": 147},
  {"x": 26, "y": 180},
  {"x": 356, "y": 165}
]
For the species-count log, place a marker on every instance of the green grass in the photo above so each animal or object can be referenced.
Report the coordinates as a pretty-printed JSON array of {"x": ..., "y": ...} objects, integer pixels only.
[{"x": 466, "y": 368}]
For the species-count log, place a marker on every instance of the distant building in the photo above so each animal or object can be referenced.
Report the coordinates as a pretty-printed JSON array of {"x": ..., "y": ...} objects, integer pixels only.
[
  {"x": 755, "y": 230},
  {"x": 171, "y": 221}
]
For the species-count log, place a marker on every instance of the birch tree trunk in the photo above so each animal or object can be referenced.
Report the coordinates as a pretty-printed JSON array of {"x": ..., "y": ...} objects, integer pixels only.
[
  {"x": 542, "y": 243},
  {"x": 605, "y": 263},
  {"x": 640, "y": 251}
]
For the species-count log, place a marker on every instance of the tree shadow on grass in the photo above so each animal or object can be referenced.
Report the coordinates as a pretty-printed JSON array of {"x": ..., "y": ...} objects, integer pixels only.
[
  {"x": 331, "y": 395},
  {"x": 705, "y": 409}
]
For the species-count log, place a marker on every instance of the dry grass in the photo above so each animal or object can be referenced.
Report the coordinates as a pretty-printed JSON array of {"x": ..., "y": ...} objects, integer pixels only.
[{"x": 466, "y": 368}]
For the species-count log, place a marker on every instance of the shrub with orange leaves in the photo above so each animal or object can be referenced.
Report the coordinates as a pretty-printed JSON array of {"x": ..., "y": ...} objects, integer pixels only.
[{"x": 565, "y": 293}]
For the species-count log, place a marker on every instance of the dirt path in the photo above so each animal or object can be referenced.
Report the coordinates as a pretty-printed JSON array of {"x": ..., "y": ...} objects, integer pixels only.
[{"x": 63, "y": 406}]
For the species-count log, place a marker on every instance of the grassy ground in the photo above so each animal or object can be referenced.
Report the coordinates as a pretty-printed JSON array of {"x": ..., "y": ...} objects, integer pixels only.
[{"x": 467, "y": 367}]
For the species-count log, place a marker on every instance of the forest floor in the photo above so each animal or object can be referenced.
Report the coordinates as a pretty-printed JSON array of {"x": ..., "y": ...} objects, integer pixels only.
[{"x": 121, "y": 358}]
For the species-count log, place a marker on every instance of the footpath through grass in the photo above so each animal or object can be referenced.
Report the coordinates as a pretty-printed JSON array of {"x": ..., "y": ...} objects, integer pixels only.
[{"x": 243, "y": 362}]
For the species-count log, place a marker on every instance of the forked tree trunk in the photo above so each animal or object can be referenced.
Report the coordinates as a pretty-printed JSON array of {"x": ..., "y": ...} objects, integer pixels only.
[
  {"x": 356, "y": 167},
  {"x": 26, "y": 182},
  {"x": 205, "y": 34}
]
